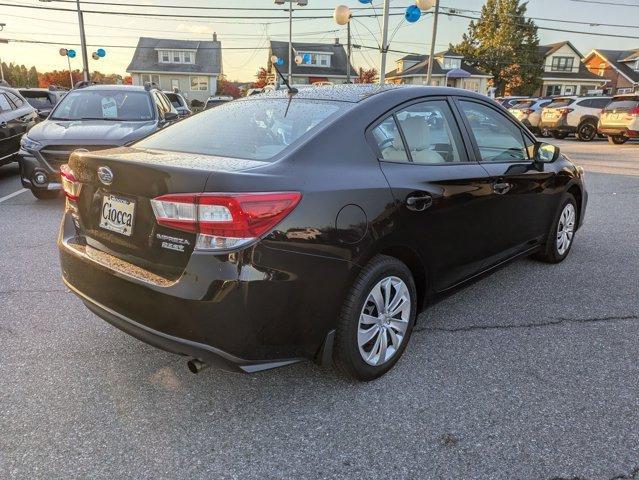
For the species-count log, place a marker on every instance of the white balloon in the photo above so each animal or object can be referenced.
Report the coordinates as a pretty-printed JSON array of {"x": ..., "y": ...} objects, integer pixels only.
[
  {"x": 425, "y": 4},
  {"x": 342, "y": 15},
  {"x": 298, "y": 59},
  {"x": 274, "y": 59}
]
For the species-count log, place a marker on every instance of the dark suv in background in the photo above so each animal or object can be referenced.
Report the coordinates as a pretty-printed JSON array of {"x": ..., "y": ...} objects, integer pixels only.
[
  {"x": 90, "y": 118},
  {"x": 43, "y": 99},
  {"x": 16, "y": 117}
]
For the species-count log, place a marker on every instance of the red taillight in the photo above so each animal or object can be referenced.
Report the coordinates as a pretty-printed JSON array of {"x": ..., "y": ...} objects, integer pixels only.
[
  {"x": 565, "y": 111},
  {"x": 528, "y": 111},
  {"x": 634, "y": 112},
  {"x": 70, "y": 184},
  {"x": 222, "y": 220}
]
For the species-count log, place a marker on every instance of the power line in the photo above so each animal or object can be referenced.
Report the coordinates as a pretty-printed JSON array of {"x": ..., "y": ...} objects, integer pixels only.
[{"x": 608, "y": 3}]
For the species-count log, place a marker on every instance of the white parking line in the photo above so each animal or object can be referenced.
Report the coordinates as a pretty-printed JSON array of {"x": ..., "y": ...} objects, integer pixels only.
[{"x": 11, "y": 195}]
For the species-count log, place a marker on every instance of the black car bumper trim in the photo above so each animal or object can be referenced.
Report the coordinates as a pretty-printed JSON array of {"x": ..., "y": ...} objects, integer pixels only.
[{"x": 180, "y": 346}]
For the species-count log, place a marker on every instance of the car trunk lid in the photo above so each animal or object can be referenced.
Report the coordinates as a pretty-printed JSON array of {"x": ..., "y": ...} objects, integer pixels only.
[{"x": 114, "y": 205}]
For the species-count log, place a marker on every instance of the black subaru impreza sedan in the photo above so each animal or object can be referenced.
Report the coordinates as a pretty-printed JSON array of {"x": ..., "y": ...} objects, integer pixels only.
[{"x": 310, "y": 225}]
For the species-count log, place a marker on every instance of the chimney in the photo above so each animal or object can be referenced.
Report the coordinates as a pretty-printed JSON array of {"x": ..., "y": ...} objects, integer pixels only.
[
  {"x": 215, "y": 36},
  {"x": 336, "y": 41}
]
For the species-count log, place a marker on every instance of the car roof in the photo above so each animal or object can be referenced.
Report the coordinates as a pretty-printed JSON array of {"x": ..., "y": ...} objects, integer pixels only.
[
  {"x": 135, "y": 88},
  {"x": 355, "y": 93},
  {"x": 10, "y": 89}
]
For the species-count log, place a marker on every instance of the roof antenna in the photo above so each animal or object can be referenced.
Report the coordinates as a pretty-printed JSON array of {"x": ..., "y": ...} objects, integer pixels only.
[{"x": 291, "y": 90}]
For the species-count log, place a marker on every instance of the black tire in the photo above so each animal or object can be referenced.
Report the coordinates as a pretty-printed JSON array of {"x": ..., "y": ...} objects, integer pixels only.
[
  {"x": 45, "y": 194},
  {"x": 550, "y": 252},
  {"x": 617, "y": 139},
  {"x": 558, "y": 135},
  {"x": 586, "y": 131},
  {"x": 346, "y": 353},
  {"x": 544, "y": 133}
]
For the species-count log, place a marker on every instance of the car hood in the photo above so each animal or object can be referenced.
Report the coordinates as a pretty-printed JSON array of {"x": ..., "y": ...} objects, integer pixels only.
[{"x": 89, "y": 131}]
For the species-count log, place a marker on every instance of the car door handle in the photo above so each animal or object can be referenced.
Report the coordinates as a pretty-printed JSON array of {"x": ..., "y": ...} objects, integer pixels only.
[
  {"x": 418, "y": 202},
  {"x": 501, "y": 188}
]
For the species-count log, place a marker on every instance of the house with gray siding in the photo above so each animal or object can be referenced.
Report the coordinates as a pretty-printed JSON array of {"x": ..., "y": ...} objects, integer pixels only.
[{"x": 192, "y": 66}]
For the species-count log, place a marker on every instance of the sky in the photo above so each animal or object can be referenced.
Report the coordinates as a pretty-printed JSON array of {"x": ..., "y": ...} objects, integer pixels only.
[{"x": 245, "y": 42}]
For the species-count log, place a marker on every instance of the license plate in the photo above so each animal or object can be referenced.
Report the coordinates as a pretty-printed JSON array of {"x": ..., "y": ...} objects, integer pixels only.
[
  {"x": 614, "y": 116},
  {"x": 117, "y": 214}
]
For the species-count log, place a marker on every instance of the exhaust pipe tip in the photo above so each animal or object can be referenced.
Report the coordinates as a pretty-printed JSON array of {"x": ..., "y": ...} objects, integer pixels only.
[{"x": 196, "y": 366}]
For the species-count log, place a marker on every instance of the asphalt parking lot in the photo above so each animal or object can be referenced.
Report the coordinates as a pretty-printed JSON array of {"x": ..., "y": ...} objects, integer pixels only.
[{"x": 532, "y": 373}]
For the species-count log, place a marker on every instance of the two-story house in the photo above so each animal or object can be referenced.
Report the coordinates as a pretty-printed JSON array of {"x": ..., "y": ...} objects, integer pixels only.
[
  {"x": 564, "y": 73},
  {"x": 192, "y": 66},
  {"x": 449, "y": 69},
  {"x": 322, "y": 62},
  {"x": 619, "y": 67}
]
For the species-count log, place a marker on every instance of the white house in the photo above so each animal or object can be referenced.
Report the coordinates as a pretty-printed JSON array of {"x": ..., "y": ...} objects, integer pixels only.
[{"x": 192, "y": 66}]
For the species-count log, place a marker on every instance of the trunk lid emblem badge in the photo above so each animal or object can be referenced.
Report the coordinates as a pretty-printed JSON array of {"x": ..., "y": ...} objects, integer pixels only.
[{"x": 105, "y": 175}]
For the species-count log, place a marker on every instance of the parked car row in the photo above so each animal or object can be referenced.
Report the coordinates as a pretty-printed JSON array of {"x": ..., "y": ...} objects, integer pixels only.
[
  {"x": 16, "y": 118},
  {"x": 584, "y": 116}
]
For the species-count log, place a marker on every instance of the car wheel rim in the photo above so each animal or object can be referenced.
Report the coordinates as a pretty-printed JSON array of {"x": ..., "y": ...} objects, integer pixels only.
[
  {"x": 588, "y": 131},
  {"x": 565, "y": 228},
  {"x": 384, "y": 321}
]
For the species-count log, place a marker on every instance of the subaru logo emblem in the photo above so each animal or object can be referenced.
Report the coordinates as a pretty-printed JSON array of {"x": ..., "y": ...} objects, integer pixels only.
[{"x": 105, "y": 175}]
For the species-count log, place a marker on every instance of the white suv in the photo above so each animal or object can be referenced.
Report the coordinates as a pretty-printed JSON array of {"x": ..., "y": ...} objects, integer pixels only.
[
  {"x": 528, "y": 112},
  {"x": 620, "y": 119},
  {"x": 578, "y": 115}
]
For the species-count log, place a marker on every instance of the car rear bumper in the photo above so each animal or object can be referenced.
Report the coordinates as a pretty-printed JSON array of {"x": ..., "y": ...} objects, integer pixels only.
[
  {"x": 228, "y": 310},
  {"x": 618, "y": 131},
  {"x": 560, "y": 125}
]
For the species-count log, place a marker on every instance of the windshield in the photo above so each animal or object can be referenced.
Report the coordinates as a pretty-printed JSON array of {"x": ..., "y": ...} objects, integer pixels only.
[
  {"x": 525, "y": 104},
  {"x": 623, "y": 103},
  {"x": 215, "y": 103},
  {"x": 113, "y": 105},
  {"x": 256, "y": 129},
  {"x": 560, "y": 102}
]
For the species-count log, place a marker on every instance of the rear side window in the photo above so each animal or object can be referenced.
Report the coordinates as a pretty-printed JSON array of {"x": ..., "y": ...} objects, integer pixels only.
[
  {"x": 545, "y": 103},
  {"x": 600, "y": 102},
  {"x": 255, "y": 129},
  {"x": 497, "y": 138},
  {"x": 389, "y": 141},
  {"x": 430, "y": 133},
  {"x": 524, "y": 104},
  {"x": 623, "y": 103},
  {"x": 174, "y": 99},
  {"x": 17, "y": 101},
  {"x": 5, "y": 106}
]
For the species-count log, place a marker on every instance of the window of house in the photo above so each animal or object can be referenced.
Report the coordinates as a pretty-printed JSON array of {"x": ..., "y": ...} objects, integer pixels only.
[
  {"x": 175, "y": 56},
  {"x": 450, "y": 63},
  {"x": 471, "y": 84},
  {"x": 164, "y": 56},
  {"x": 602, "y": 69},
  {"x": 498, "y": 139},
  {"x": 187, "y": 57},
  {"x": 553, "y": 90},
  {"x": 316, "y": 59},
  {"x": 199, "y": 84},
  {"x": 562, "y": 64},
  {"x": 155, "y": 79}
]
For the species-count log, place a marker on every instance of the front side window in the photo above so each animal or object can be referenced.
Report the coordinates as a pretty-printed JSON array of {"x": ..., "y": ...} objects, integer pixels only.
[
  {"x": 430, "y": 133},
  {"x": 255, "y": 129},
  {"x": 114, "y": 105},
  {"x": 199, "y": 83},
  {"x": 497, "y": 138}
]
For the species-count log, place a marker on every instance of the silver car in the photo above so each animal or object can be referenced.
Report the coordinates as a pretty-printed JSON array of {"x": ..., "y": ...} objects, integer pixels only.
[{"x": 619, "y": 121}]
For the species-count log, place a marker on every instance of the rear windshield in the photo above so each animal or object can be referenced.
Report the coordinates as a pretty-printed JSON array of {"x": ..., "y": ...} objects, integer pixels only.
[
  {"x": 39, "y": 100},
  {"x": 174, "y": 99},
  {"x": 524, "y": 104},
  {"x": 215, "y": 103},
  {"x": 113, "y": 105},
  {"x": 560, "y": 102},
  {"x": 256, "y": 129},
  {"x": 623, "y": 103}
]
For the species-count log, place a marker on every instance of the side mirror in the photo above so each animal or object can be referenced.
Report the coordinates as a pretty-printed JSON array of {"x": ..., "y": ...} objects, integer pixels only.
[
  {"x": 170, "y": 116},
  {"x": 545, "y": 152},
  {"x": 44, "y": 113}
]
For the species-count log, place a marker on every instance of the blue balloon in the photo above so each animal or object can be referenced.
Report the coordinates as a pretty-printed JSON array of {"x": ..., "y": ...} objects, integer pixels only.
[
  {"x": 71, "y": 53},
  {"x": 306, "y": 58},
  {"x": 365, "y": 1},
  {"x": 102, "y": 52},
  {"x": 280, "y": 61},
  {"x": 412, "y": 14}
]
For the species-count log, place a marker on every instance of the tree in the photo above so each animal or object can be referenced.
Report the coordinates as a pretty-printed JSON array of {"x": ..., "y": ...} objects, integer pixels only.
[
  {"x": 262, "y": 78},
  {"x": 59, "y": 78},
  {"x": 366, "y": 76},
  {"x": 503, "y": 43},
  {"x": 224, "y": 87}
]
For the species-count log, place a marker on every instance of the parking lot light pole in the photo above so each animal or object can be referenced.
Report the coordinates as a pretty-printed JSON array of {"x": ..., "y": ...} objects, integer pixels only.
[{"x": 300, "y": 3}]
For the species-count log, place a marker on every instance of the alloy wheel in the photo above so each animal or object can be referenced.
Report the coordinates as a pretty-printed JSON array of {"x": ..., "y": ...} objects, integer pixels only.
[
  {"x": 565, "y": 228},
  {"x": 383, "y": 321}
]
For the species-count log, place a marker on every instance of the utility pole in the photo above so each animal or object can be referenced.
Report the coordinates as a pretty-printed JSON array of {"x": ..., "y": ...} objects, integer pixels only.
[
  {"x": 432, "y": 44},
  {"x": 382, "y": 73},
  {"x": 83, "y": 43},
  {"x": 348, "y": 51},
  {"x": 2, "y": 40},
  {"x": 290, "y": 43}
]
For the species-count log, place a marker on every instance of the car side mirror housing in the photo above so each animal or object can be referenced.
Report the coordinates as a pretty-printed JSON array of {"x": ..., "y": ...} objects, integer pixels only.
[
  {"x": 170, "y": 116},
  {"x": 545, "y": 152},
  {"x": 44, "y": 113}
]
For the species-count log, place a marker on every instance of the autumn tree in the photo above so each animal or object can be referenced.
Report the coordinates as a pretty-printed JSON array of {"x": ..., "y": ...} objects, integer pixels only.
[
  {"x": 262, "y": 78},
  {"x": 224, "y": 87},
  {"x": 503, "y": 43},
  {"x": 366, "y": 75}
]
